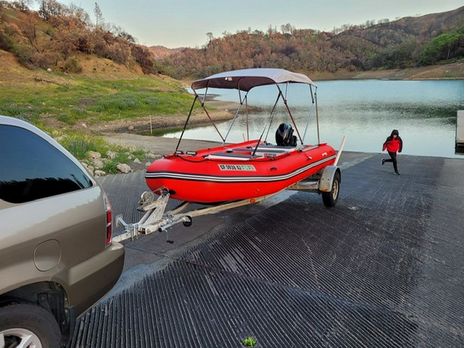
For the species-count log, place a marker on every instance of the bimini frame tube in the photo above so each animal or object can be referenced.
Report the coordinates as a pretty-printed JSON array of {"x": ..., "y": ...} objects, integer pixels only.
[
  {"x": 272, "y": 113},
  {"x": 247, "y": 117},
  {"x": 309, "y": 113},
  {"x": 202, "y": 103},
  {"x": 241, "y": 102},
  {"x": 208, "y": 115},
  {"x": 187, "y": 121},
  {"x": 317, "y": 120},
  {"x": 290, "y": 114}
]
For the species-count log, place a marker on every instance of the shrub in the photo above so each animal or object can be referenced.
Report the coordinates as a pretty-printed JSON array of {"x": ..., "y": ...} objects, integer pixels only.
[
  {"x": 23, "y": 53},
  {"x": 144, "y": 58},
  {"x": 71, "y": 65},
  {"x": 83, "y": 44},
  {"x": 80, "y": 144},
  {"x": 249, "y": 341},
  {"x": 117, "y": 52},
  {"x": 6, "y": 43},
  {"x": 45, "y": 59},
  {"x": 444, "y": 46}
]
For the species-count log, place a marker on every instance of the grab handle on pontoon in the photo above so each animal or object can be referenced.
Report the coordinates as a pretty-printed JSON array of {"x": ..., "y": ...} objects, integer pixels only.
[{"x": 340, "y": 150}]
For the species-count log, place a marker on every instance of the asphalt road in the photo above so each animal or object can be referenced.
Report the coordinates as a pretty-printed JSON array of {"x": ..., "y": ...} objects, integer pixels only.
[{"x": 384, "y": 268}]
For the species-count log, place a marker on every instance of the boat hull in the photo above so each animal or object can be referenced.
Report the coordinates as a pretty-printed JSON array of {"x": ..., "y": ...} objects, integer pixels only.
[{"x": 204, "y": 178}]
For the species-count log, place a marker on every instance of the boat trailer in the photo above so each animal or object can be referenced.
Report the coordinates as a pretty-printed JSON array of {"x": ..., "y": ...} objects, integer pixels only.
[{"x": 157, "y": 219}]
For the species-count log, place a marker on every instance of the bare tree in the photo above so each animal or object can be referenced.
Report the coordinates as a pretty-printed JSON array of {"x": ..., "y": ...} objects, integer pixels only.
[
  {"x": 287, "y": 28},
  {"x": 43, "y": 10},
  {"x": 23, "y": 5},
  {"x": 79, "y": 13},
  {"x": 119, "y": 32},
  {"x": 50, "y": 8},
  {"x": 29, "y": 30},
  {"x": 271, "y": 30},
  {"x": 98, "y": 16}
]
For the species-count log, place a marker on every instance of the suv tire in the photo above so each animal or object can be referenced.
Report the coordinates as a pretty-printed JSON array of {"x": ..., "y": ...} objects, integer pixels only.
[{"x": 19, "y": 320}]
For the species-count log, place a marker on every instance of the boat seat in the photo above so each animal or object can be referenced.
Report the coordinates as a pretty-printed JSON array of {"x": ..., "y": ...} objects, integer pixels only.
[
  {"x": 276, "y": 149},
  {"x": 271, "y": 146},
  {"x": 232, "y": 156}
]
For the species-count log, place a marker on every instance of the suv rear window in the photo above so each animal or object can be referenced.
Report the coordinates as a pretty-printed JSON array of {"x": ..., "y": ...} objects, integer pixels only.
[{"x": 32, "y": 168}]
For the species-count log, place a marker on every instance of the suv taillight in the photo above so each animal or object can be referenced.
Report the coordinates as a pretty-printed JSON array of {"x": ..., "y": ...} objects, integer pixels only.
[{"x": 109, "y": 219}]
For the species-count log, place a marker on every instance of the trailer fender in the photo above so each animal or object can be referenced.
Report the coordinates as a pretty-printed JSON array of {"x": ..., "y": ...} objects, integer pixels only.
[{"x": 327, "y": 177}]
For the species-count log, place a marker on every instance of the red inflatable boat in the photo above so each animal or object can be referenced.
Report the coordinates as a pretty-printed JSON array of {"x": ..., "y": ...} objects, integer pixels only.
[
  {"x": 245, "y": 170},
  {"x": 231, "y": 173}
]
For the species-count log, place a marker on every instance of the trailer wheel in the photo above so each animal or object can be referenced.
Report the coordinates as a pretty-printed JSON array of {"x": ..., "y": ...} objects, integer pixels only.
[{"x": 330, "y": 198}]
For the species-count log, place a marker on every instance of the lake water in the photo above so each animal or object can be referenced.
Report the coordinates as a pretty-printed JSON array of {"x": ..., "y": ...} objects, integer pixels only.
[{"x": 365, "y": 111}]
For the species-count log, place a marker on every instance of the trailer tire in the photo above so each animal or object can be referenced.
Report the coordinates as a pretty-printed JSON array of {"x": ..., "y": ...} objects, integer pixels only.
[{"x": 330, "y": 198}]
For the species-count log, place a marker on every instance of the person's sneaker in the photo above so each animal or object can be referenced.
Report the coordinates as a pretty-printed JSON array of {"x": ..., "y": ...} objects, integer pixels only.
[
  {"x": 382, "y": 162},
  {"x": 397, "y": 173}
]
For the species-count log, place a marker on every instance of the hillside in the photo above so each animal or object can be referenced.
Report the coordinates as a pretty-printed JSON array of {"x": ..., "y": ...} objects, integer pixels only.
[
  {"x": 57, "y": 37},
  {"x": 54, "y": 36},
  {"x": 60, "y": 69},
  {"x": 104, "y": 91},
  {"x": 405, "y": 43}
]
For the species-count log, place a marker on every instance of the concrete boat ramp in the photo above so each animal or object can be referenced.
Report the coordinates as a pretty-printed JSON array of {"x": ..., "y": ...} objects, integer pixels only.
[{"x": 384, "y": 268}]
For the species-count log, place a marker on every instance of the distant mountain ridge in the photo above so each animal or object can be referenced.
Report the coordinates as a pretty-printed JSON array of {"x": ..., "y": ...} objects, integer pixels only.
[
  {"x": 160, "y": 52},
  {"x": 60, "y": 37},
  {"x": 406, "y": 42}
]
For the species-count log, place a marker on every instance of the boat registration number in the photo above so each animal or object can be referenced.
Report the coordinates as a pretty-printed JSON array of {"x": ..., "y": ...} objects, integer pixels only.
[{"x": 237, "y": 167}]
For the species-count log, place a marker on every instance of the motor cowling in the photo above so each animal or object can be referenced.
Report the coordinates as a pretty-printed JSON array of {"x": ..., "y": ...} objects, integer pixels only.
[{"x": 285, "y": 135}]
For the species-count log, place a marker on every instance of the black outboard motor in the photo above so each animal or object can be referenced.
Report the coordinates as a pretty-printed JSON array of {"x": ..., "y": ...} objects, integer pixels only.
[{"x": 284, "y": 135}]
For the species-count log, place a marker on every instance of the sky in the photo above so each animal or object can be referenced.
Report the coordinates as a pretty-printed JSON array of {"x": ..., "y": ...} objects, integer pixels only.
[{"x": 184, "y": 23}]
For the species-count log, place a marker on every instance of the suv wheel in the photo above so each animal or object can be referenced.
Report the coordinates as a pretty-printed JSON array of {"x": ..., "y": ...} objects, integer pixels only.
[{"x": 29, "y": 326}]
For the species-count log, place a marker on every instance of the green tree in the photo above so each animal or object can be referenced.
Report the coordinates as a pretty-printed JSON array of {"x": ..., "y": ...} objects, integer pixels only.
[{"x": 445, "y": 46}]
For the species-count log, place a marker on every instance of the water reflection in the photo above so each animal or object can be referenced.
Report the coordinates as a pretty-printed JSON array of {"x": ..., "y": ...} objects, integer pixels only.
[{"x": 365, "y": 111}]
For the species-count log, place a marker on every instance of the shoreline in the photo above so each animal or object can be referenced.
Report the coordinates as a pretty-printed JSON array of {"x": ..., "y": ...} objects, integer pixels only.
[
  {"x": 221, "y": 111},
  {"x": 224, "y": 110},
  {"x": 451, "y": 71}
]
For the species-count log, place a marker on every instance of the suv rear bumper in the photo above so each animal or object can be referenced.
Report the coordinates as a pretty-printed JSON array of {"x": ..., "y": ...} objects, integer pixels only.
[{"x": 88, "y": 281}]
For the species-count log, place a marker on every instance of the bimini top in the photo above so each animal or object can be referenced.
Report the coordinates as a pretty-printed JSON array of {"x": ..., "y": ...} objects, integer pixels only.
[{"x": 246, "y": 79}]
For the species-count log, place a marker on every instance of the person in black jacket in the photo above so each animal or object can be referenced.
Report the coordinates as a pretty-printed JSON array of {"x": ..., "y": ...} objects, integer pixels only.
[{"x": 393, "y": 144}]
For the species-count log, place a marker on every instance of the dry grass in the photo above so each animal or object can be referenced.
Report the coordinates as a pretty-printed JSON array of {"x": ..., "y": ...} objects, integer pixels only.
[{"x": 105, "y": 91}]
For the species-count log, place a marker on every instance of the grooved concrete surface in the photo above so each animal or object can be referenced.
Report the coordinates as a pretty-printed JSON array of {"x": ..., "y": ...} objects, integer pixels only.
[{"x": 382, "y": 269}]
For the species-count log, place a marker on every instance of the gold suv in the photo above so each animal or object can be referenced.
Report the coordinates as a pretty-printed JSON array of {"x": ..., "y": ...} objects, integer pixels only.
[{"x": 57, "y": 257}]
